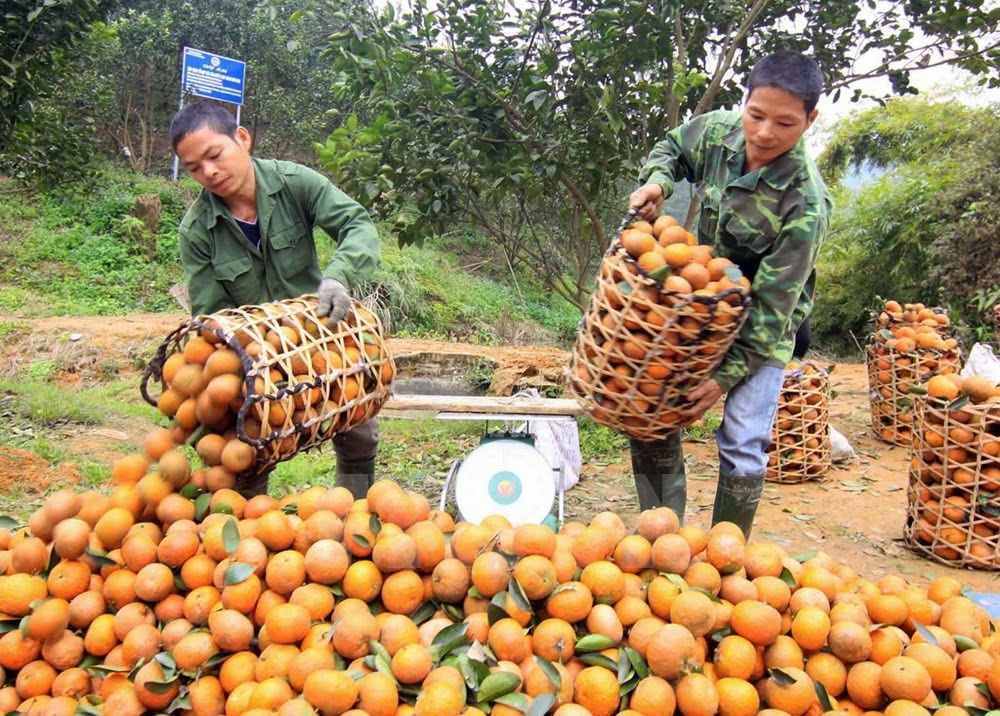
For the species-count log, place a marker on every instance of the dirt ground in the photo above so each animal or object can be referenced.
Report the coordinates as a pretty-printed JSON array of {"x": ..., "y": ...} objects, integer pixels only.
[{"x": 855, "y": 513}]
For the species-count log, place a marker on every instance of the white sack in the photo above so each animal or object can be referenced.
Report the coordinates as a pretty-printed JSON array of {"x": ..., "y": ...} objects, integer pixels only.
[
  {"x": 982, "y": 362},
  {"x": 840, "y": 447},
  {"x": 559, "y": 442}
]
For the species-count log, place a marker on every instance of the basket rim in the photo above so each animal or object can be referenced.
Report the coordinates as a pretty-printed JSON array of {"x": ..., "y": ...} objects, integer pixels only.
[{"x": 616, "y": 250}]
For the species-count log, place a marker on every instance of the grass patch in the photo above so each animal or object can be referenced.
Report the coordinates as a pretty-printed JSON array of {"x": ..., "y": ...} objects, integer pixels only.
[
  {"x": 705, "y": 429},
  {"x": 82, "y": 250},
  {"x": 47, "y": 404},
  {"x": 422, "y": 451},
  {"x": 13, "y": 298},
  {"x": 11, "y": 331},
  {"x": 92, "y": 474},
  {"x": 40, "y": 415},
  {"x": 425, "y": 293},
  {"x": 302, "y": 471},
  {"x": 599, "y": 442}
]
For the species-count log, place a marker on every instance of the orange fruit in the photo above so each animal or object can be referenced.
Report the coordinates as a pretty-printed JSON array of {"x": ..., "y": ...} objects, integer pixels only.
[
  {"x": 596, "y": 689},
  {"x": 330, "y": 691}
]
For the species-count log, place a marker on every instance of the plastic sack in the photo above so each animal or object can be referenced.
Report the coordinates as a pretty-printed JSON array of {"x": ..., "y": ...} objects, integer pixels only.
[
  {"x": 840, "y": 447},
  {"x": 558, "y": 441},
  {"x": 982, "y": 362}
]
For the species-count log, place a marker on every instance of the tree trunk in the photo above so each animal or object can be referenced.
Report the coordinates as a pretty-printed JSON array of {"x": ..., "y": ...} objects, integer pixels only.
[{"x": 147, "y": 209}]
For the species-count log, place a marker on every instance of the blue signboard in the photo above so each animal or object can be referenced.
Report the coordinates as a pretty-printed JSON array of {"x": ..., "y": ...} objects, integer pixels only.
[{"x": 213, "y": 76}]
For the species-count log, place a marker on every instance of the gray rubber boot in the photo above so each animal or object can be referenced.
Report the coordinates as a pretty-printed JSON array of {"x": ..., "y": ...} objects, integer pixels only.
[
  {"x": 659, "y": 474},
  {"x": 356, "y": 475},
  {"x": 736, "y": 500}
]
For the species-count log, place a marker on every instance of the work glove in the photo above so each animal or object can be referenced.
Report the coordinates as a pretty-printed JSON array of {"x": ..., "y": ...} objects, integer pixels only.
[{"x": 334, "y": 301}]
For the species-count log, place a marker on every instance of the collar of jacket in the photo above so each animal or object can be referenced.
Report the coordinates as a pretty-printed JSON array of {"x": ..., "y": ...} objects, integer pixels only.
[
  {"x": 778, "y": 174},
  {"x": 268, "y": 183}
]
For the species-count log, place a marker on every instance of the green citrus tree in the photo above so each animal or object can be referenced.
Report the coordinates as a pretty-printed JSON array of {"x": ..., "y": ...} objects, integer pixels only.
[
  {"x": 923, "y": 228},
  {"x": 528, "y": 121}
]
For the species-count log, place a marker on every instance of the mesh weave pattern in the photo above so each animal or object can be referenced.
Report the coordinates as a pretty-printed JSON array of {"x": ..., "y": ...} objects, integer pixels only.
[
  {"x": 303, "y": 383},
  {"x": 641, "y": 348}
]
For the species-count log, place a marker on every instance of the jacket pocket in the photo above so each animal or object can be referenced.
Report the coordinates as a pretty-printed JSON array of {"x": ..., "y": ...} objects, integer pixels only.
[
  {"x": 287, "y": 237},
  {"x": 291, "y": 250},
  {"x": 750, "y": 233},
  {"x": 240, "y": 280},
  {"x": 230, "y": 270}
]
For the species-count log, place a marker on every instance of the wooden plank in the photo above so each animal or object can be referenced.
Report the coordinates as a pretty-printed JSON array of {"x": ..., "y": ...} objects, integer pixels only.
[{"x": 402, "y": 403}]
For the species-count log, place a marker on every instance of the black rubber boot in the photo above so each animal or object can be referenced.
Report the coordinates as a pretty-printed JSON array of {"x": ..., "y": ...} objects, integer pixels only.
[
  {"x": 736, "y": 500},
  {"x": 254, "y": 484},
  {"x": 659, "y": 474},
  {"x": 356, "y": 475}
]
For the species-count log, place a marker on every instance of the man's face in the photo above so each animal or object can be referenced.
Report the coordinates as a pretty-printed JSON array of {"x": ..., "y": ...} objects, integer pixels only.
[
  {"x": 773, "y": 122},
  {"x": 219, "y": 163}
]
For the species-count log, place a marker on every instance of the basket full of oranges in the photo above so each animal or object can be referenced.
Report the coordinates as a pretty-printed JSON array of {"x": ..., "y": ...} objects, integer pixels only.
[
  {"x": 800, "y": 439},
  {"x": 249, "y": 387},
  {"x": 953, "y": 494},
  {"x": 911, "y": 343},
  {"x": 662, "y": 316}
]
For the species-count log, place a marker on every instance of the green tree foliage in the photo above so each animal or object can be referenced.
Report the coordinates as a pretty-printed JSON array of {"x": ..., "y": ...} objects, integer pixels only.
[
  {"x": 528, "y": 120},
  {"x": 122, "y": 83},
  {"x": 926, "y": 230},
  {"x": 137, "y": 67},
  {"x": 37, "y": 39}
]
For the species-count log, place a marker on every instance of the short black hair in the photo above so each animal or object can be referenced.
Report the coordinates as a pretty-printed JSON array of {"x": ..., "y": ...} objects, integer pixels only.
[
  {"x": 790, "y": 71},
  {"x": 196, "y": 115}
]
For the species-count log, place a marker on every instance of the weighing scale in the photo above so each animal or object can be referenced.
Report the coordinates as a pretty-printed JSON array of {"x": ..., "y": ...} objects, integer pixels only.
[{"x": 505, "y": 474}]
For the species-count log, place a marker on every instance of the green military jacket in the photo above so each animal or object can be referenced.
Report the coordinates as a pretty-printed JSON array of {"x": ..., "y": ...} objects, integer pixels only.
[
  {"x": 769, "y": 222},
  {"x": 224, "y": 270}
]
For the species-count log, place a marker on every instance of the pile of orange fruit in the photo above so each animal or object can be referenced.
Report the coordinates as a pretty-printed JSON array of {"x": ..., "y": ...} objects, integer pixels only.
[
  {"x": 205, "y": 385},
  {"x": 147, "y": 602},
  {"x": 800, "y": 444},
  {"x": 909, "y": 345},
  {"x": 671, "y": 255},
  {"x": 954, "y": 487},
  {"x": 664, "y": 313}
]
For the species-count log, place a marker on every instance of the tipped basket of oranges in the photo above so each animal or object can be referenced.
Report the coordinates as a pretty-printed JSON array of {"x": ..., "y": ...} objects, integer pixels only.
[
  {"x": 800, "y": 443},
  {"x": 663, "y": 314},
  {"x": 953, "y": 494},
  {"x": 249, "y": 387},
  {"x": 910, "y": 345}
]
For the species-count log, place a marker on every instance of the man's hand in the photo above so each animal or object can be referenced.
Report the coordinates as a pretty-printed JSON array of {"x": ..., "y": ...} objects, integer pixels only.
[
  {"x": 334, "y": 302},
  {"x": 702, "y": 398},
  {"x": 648, "y": 198}
]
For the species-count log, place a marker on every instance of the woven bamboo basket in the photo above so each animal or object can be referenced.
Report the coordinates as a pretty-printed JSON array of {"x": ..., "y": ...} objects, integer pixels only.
[
  {"x": 641, "y": 348},
  {"x": 800, "y": 443},
  {"x": 953, "y": 495},
  {"x": 302, "y": 383},
  {"x": 891, "y": 375}
]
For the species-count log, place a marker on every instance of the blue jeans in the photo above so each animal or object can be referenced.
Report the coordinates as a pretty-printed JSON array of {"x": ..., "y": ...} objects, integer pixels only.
[{"x": 747, "y": 420}]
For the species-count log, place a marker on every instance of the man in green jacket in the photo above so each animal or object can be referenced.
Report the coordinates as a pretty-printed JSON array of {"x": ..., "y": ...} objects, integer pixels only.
[
  {"x": 765, "y": 207},
  {"x": 248, "y": 239}
]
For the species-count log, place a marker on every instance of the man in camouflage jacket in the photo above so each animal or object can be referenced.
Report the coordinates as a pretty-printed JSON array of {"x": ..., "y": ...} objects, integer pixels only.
[{"x": 765, "y": 207}]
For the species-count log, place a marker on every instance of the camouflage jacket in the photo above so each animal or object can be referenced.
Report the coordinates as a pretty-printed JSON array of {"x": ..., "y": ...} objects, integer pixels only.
[
  {"x": 769, "y": 222},
  {"x": 224, "y": 270}
]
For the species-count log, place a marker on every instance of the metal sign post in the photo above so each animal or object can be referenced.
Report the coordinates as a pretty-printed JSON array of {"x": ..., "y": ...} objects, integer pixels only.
[{"x": 212, "y": 76}]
